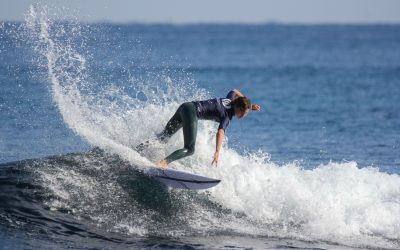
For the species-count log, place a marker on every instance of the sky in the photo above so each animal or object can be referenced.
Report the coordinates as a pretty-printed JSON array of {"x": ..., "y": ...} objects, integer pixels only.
[{"x": 217, "y": 11}]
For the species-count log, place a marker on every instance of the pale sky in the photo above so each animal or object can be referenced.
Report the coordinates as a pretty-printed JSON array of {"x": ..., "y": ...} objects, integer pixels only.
[{"x": 218, "y": 11}]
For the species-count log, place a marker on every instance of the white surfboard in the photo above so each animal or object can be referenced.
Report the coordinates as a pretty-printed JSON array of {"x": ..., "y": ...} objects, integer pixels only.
[{"x": 179, "y": 179}]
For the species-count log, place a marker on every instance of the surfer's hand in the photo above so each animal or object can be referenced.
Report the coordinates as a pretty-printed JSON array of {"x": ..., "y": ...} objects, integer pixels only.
[
  {"x": 215, "y": 160},
  {"x": 255, "y": 107}
]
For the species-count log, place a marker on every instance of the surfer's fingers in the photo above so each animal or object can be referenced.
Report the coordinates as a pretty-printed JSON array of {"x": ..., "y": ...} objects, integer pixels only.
[{"x": 256, "y": 107}]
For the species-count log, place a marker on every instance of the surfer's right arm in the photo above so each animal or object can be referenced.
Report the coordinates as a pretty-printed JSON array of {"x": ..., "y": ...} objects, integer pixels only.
[{"x": 220, "y": 139}]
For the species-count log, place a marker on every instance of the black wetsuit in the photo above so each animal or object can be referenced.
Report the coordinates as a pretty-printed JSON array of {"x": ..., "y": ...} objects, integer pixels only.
[{"x": 186, "y": 117}]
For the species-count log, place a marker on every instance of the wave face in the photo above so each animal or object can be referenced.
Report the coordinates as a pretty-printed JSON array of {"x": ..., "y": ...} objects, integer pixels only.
[
  {"x": 107, "y": 200},
  {"x": 102, "y": 194},
  {"x": 99, "y": 197}
]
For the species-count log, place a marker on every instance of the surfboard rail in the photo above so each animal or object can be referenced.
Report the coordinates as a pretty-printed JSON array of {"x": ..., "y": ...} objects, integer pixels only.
[{"x": 183, "y": 180}]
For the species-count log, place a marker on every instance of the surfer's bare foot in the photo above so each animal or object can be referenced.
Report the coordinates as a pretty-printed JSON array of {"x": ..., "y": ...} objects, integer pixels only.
[{"x": 163, "y": 164}]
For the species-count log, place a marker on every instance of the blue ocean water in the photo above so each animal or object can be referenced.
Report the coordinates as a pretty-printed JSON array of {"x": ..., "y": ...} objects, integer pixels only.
[
  {"x": 327, "y": 92},
  {"x": 317, "y": 167}
]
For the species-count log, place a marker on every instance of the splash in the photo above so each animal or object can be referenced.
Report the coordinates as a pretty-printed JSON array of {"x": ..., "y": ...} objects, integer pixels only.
[
  {"x": 105, "y": 117},
  {"x": 336, "y": 201}
]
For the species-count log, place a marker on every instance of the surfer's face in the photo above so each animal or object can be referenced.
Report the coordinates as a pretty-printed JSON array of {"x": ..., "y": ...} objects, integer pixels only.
[{"x": 241, "y": 113}]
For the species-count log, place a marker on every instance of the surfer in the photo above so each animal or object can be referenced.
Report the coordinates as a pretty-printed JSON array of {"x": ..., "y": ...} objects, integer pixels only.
[{"x": 220, "y": 110}]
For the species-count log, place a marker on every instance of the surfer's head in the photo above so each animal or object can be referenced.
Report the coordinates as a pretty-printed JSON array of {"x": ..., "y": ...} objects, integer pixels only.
[{"x": 241, "y": 106}]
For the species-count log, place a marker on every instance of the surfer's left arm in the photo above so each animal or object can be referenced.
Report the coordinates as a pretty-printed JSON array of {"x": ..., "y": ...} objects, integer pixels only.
[
  {"x": 254, "y": 107},
  {"x": 220, "y": 139},
  {"x": 237, "y": 92}
]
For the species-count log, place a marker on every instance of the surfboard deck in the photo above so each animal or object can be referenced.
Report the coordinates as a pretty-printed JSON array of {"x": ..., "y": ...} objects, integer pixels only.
[{"x": 179, "y": 179}]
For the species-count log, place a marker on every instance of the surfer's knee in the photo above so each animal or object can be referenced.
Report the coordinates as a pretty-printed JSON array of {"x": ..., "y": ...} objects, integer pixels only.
[{"x": 189, "y": 150}]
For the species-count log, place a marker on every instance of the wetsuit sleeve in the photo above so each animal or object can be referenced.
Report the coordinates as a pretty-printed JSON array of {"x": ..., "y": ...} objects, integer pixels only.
[
  {"x": 231, "y": 95},
  {"x": 224, "y": 123}
]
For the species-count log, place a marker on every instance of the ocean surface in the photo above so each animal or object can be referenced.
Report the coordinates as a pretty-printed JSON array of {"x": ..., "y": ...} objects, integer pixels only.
[{"x": 317, "y": 168}]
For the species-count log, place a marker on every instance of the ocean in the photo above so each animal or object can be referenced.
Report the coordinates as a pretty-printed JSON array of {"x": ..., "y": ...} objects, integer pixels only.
[{"x": 317, "y": 168}]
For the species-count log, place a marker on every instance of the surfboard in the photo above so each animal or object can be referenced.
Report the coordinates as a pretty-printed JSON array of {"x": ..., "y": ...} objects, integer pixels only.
[{"x": 179, "y": 179}]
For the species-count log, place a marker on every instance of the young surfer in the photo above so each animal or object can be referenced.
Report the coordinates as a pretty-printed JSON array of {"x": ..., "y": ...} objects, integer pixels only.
[{"x": 220, "y": 110}]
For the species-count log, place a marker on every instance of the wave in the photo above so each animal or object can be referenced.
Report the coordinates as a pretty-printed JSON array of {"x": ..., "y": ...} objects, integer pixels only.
[
  {"x": 95, "y": 196},
  {"x": 102, "y": 188},
  {"x": 335, "y": 202},
  {"x": 102, "y": 197}
]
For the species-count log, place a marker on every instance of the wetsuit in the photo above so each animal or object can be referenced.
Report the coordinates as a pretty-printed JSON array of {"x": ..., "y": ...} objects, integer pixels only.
[{"x": 186, "y": 117}]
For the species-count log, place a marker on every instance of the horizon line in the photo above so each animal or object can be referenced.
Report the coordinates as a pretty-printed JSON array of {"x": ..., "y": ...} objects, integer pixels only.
[{"x": 222, "y": 23}]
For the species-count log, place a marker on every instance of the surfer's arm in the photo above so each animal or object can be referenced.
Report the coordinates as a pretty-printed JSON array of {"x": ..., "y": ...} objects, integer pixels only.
[
  {"x": 255, "y": 107},
  {"x": 238, "y": 93},
  {"x": 220, "y": 139}
]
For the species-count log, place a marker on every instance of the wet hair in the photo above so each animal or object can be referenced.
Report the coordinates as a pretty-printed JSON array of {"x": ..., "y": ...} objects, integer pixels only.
[{"x": 241, "y": 103}]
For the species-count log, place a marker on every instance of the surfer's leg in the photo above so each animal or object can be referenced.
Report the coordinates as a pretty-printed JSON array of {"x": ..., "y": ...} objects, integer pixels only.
[
  {"x": 173, "y": 125},
  {"x": 190, "y": 129},
  {"x": 189, "y": 122}
]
